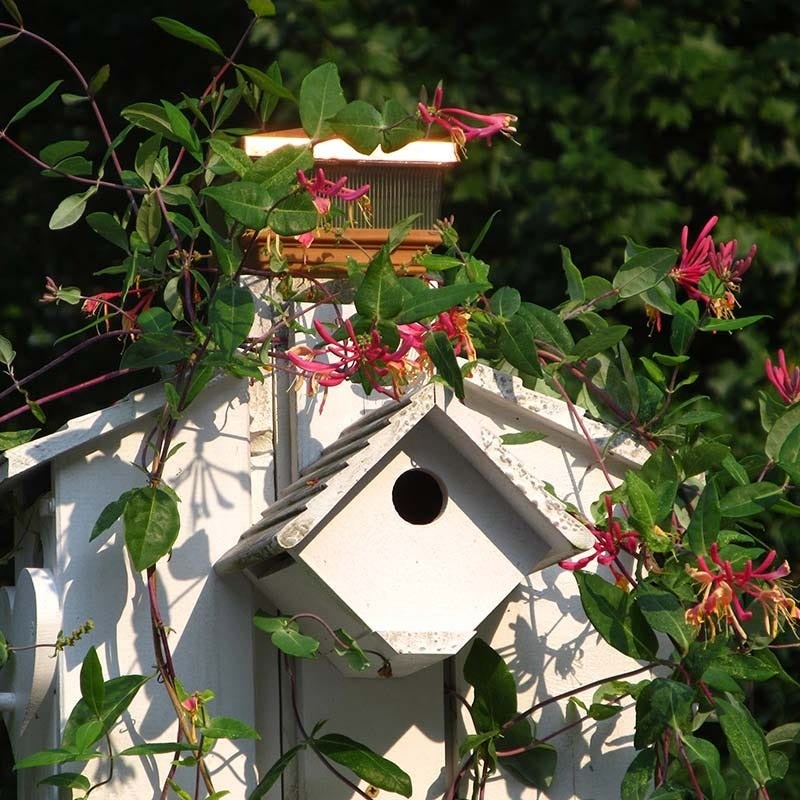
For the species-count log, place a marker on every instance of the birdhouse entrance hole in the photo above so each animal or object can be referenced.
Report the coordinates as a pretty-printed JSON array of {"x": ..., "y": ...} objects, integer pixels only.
[{"x": 418, "y": 496}]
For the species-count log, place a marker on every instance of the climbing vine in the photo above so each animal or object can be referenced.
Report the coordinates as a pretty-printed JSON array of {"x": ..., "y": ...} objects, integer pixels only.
[{"x": 687, "y": 585}]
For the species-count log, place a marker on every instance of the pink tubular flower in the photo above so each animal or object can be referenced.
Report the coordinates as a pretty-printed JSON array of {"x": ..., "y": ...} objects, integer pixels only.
[
  {"x": 610, "y": 543},
  {"x": 695, "y": 261},
  {"x": 386, "y": 370},
  {"x": 785, "y": 379},
  {"x": 721, "y": 586},
  {"x": 105, "y": 304},
  {"x": 322, "y": 190},
  {"x": 460, "y": 123},
  {"x": 453, "y": 322},
  {"x": 727, "y": 267}
]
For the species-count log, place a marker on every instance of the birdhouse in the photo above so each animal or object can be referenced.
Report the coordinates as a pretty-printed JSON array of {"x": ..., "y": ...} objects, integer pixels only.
[
  {"x": 403, "y": 498},
  {"x": 403, "y": 182}
]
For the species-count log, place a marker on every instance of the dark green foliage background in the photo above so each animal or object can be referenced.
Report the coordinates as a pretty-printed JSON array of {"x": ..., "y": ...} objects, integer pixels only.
[{"x": 635, "y": 118}]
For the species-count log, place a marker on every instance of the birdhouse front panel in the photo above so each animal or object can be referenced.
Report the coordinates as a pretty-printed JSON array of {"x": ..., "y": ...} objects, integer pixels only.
[{"x": 414, "y": 533}]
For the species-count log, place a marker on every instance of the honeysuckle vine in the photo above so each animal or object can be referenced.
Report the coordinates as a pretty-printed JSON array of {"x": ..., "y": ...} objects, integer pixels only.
[{"x": 682, "y": 563}]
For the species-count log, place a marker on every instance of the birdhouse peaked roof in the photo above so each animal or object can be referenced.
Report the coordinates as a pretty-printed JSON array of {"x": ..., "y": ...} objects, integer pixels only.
[{"x": 334, "y": 478}]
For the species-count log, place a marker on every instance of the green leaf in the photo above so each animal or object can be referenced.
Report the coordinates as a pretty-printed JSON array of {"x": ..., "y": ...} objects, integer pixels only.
[
  {"x": 7, "y": 40},
  {"x": 110, "y": 514},
  {"x": 321, "y": 98},
  {"x": 154, "y": 748},
  {"x": 274, "y": 772},
  {"x": 368, "y": 765},
  {"x": 353, "y": 654},
  {"x": 151, "y": 117},
  {"x": 13, "y": 10},
  {"x": 58, "y": 151},
  {"x": 784, "y": 433},
  {"x": 784, "y": 734},
  {"x": 616, "y": 617},
  {"x": 147, "y": 156},
  {"x": 266, "y": 83},
  {"x": 91, "y": 680},
  {"x": 360, "y": 124},
  {"x": 516, "y": 340},
  {"x": 684, "y": 326},
  {"x": 638, "y": 779},
  {"x": 289, "y": 640},
  {"x": 712, "y": 324},
  {"x": 380, "y": 296},
  {"x": 262, "y": 8},
  {"x": 662, "y": 704},
  {"x": 665, "y": 613},
  {"x": 68, "y": 211},
  {"x": 3, "y": 650},
  {"x": 546, "y": 325},
  {"x": 118, "y": 694},
  {"x": 233, "y": 157},
  {"x": 99, "y": 80},
  {"x": 152, "y": 524},
  {"x": 67, "y": 780},
  {"x": 702, "y": 456},
  {"x": 440, "y": 351},
  {"x": 148, "y": 220},
  {"x": 187, "y": 34},
  {"x": 278, "y": 169},
  {"x": 505, "y": 302},
  {"x": 597, "y": 342},
  {"x": 35, "y": 103},
  {"x": 58, "y": 755},
  {"x": 745, "y": 738},
  {"x": 228, "y": 728},
  {"x": 523, "y": 437},
  {"x": 575, "y": 288},
  {"x": 293, "y": 215},
  {"x": 744, "y": 501},
  {"x": 438, "y": 263},
  {"x": 109, "y": 228},
  {"x": 644, "y": 270},
  {"x": 430, "y": 302},
  {"x": 642, "y": 501},
  {"x": 183, "y": 130},
  {"x": 153, "y": 350},
  {"x": 269, "y": 623},
  {"x": 703, "y": 528},
  {"x": 230, "y": 315},
  {"x": 661, "y": 475},
  {"x": 495, "y": 701},
  {"x": 535, "y": 767},
  {"x": 400, "y": 127},
  {"x": 244, "y": 201},
  {"x": 9, "y": 439},
  {"x": 7, "y": 352},
  {"x": 156, "y": 320}
]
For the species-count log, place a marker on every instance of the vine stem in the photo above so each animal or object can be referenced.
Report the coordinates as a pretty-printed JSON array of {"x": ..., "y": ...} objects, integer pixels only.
[
  {"x": 85, "y": 86},
  {"x": 688, "y": 765},
  {"x": 569, "y": 693},
  {"x": 78, "y": 387},
  {"x": 299, "y": 721}
]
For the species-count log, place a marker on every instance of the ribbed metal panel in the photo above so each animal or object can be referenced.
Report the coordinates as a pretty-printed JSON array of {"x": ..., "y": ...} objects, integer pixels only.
[{"x": 396, "y": 192}]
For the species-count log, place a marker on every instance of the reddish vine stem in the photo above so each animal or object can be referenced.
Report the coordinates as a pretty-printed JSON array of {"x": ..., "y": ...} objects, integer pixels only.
[
  {"x": 570, "y": 692},
  {"x": 688, "y": 765},
  {"x": 79, "y": 387},
  {"x": 299, "y": 721}
]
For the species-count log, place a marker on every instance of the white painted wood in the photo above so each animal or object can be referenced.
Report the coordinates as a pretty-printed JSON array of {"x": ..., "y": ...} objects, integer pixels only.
[{"x": 211, "y": 630}]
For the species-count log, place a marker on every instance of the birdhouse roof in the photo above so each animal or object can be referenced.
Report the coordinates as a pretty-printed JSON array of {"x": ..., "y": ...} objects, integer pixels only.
[{"x": 335, "y": 476}]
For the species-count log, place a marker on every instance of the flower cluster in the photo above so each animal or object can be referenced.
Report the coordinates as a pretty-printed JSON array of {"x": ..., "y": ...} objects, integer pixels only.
[
  {"x": 785, "y": 379},
  {"x": 323, "y": 190},
  {"x": 368, "y": 358},
  {"x": 105, "y": 304},
  {"x": 610, "y": 543},
  {"x": 461, "y": 125},
  {"x": 720, "y": 602},
  {"x": 704, "y": 256}
]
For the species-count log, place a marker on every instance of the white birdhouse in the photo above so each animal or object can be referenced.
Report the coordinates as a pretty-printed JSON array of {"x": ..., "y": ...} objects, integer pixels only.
[{"x": 407, "y": 531}]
